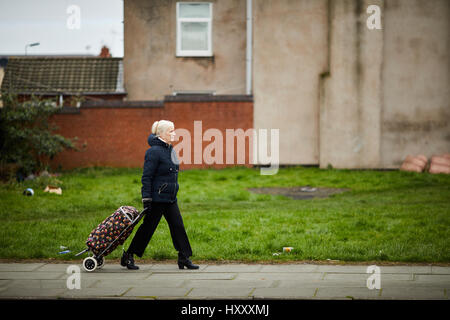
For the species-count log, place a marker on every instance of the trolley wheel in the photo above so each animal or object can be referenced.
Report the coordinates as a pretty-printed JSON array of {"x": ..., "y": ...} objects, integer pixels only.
[
  {"x": 89, "y": 264},
  {"x": 100, "y": 262}
]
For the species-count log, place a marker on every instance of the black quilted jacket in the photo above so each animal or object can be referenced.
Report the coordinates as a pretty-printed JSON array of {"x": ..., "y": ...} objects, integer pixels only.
[{"x": 160, "y": 175}]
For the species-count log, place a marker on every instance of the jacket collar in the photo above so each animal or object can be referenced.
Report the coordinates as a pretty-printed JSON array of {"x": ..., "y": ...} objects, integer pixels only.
[{"x": 154, "y": 140}]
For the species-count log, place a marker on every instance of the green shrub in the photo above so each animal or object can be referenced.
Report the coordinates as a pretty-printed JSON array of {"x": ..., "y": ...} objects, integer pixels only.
[{"x": 27, "y": 139}]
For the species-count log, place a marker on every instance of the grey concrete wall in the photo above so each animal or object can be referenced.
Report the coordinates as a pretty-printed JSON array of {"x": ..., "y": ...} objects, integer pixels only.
[
  {"x": 416, "y": 80},
  {"x": 387, "y": 93},
  {"x": 151, "y": 68},
  {"x": 351, "y": 94},
  {"x": 290, "y": 52}
]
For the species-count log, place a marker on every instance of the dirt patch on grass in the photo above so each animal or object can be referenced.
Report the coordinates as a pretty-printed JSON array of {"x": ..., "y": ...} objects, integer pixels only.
[{"x": 301, "y": 192}]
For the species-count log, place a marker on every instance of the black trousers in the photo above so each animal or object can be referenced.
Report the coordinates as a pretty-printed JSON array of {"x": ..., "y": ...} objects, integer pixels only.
[{"x": 145, "y": 231}]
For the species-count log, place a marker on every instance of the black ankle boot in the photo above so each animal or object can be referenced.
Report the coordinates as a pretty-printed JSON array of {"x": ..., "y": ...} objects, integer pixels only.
[
  {"x": 187, "y": 263},
  {"x": 128, "y": 261}
]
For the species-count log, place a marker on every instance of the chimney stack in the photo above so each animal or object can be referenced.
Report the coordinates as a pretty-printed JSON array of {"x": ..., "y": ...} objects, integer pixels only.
[{"x": 105, "y": 52}]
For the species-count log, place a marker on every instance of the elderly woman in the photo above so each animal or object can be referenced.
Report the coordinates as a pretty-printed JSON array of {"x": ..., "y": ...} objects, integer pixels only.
[{"x": 159, "y": 197}]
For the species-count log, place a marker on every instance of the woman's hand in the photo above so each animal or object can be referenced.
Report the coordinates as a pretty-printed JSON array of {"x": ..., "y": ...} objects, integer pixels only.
[{"x": 147, "y": 204}]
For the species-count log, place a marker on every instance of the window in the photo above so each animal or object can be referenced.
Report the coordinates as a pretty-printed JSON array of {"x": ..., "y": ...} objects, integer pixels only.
[{"x": 194, "y": 29}]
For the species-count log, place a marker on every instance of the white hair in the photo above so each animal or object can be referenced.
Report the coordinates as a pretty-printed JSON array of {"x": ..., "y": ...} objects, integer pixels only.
[{"x": 161, "y": 126}]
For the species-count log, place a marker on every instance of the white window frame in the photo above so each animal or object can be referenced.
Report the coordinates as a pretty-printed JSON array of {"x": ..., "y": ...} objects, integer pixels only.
[{"x": 194, "y": 53}]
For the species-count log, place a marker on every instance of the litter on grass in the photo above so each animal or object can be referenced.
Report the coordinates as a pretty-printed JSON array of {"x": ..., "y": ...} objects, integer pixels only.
[
  {"x": 285, "y": 250},
  {"x": 28, "y": 192},
  {"x": 308, "y": 189},
  {"x": 53, "y": 189}
]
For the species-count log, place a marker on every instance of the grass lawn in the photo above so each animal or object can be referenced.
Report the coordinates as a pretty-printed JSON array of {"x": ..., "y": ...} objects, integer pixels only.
[{"x": 387, "y": 215}]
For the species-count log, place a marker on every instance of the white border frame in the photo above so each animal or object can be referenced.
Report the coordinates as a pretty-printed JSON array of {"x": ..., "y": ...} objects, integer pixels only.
[{"x": 194, "y": 53}]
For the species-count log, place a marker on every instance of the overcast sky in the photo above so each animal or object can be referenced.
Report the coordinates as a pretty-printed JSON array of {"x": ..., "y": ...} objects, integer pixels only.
[{"x": 61, "y": 26}]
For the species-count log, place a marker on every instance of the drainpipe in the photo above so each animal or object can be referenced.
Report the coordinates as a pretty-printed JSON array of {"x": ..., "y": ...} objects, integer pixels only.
[{"x": 249, "y": 47}]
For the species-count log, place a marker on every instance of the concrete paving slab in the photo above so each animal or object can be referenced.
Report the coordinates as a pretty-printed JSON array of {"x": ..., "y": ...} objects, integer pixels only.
[
  {"x": 191, "y": 276},
  {"x": 284, "y": 293},
  {"x": 16, "y": 267},
  {"x": 307, "y": 268},
  {"x": 437, "y": 280},
  {"x": 114, "y": 275},
  {"x": 363, "y": 269},
  {"x": 228, "y": 283},
  {"x": 235, "y": 292},
  {"x": 95, "y": 292},
  {"x": 48, "y": 284},
  {"x": 347, "y": 293},
  {"x": 337, "y": 283},
  {"x": 414, "y": 293},
  {"x": 360, "y": 280},
  {"x": 156, "y": 292},
  {"x": 31, "y": 293},
  {"x": 440, "y": 270},
  {"x": 383, "y": 269},
  {"x": 148, "y": 283},
  {"x": 350, "y": 277},
  {"x": 56, "y": 267},
  {"x": 30, "y": 275},
  {"x": 341, "y": 268},
  {"x": 305, "y": 283},
  {"x": 405, "y": 269},
  {"x": 278, "y": 276},
  {"x": 232, "y": 268},
  {"x": 5, "y": 283}
]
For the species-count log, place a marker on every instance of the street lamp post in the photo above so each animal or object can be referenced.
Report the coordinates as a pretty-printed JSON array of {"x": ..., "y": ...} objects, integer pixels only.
[{"x": 31, "y": 45}]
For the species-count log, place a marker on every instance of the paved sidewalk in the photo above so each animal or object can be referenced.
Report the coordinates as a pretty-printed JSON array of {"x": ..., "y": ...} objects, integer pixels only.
[{"x": 224, "y": 281}]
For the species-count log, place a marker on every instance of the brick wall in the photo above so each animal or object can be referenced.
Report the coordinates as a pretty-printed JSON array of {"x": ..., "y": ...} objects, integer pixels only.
[{"x": 115, "y": 132}]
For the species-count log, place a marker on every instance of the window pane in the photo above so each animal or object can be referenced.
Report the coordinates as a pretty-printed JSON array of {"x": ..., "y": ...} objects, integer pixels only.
[
  {"x": 194, "y": 36},
  {"x": 194, "y": 10}
]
